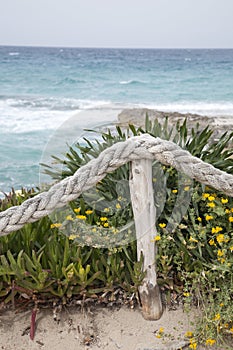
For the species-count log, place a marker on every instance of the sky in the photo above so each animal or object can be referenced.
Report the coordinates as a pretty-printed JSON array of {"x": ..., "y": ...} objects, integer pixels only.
[{"x": 117, "y": 23}]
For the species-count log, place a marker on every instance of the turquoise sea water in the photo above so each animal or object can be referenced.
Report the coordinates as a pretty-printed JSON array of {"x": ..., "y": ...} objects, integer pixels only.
[{"x": 47, "y": 89}]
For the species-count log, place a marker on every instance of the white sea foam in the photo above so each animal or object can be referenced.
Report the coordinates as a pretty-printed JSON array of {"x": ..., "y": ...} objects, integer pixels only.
[
  {"x": 132, "y": 81},
  {"x": 13, "y": 53},
  {"x": 20, "y": 115}
]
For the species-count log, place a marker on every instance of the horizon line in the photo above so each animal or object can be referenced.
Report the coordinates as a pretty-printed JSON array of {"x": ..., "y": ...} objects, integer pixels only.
[{"x": 116, "y": 47}]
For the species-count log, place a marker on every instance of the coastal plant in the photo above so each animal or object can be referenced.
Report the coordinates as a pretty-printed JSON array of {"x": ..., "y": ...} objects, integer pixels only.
[{"x": 39, "y": 262}]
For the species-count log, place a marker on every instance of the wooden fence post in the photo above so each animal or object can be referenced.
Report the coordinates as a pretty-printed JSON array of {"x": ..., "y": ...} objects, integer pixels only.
[{"x": 142, "y": 198}]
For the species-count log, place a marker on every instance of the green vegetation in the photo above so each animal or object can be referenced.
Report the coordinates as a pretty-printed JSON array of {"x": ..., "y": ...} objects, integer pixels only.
[{"x": 88, "y": 250}]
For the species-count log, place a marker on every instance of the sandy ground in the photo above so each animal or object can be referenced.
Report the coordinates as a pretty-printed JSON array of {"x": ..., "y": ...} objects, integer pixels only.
[{"x": 101, "y": 328}]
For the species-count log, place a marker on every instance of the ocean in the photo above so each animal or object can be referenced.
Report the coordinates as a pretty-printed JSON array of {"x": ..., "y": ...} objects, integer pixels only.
[{"x": 48, "y": 96}]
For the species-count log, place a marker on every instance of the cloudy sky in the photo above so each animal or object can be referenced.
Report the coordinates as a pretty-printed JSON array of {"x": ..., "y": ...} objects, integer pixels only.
[{"x": 117, "y": 23}]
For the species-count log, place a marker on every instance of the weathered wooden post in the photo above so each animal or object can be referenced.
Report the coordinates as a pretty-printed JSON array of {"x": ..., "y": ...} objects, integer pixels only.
[{"x": 142, "y": 198}]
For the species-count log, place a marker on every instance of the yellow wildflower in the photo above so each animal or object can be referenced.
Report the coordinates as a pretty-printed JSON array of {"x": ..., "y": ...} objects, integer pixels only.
[
  {"x": 118, "y": 206},
  {"x": 220, "y": 252},
  {"x": 57, "y": 225},
  {"x": 106, "y": 224},
  {"x": 157, "y": 238},
  {"x": 216, "y": 229},
  {"x": 186, "y": 294},
  {"x": 174, "y": 191},
  {"x": 224, "y": 200},
  {"x": 187, "y": 188},
  {"x": 115, "y": 230},
  {"x": 77, "y": 210},
  {"x": 160, "y": 333},
  {"x": 81, "y": 217},
  {"x": 199, "y": 219},
  {"x": 230, "y": 218},
  {"x": 188, "y": 334},
  {"x": 103, "y": 218},
  {"x": 191, "y": 239},
  {"x": 231, "y": 248},
  {"x": 227, "y": 211},
  {"x": 211, "y": 198},
  {"x": 162, "y": 225},
  {"x": 88, "y": 212},
  {"x": 232, "y": 210},
  {"x": 209, "y": 217},
  {"x": 106, "y": 210},
  {"x": 211, "y": 204},
  {"x": 193, "y": 344},
  {"x": 210, "y": 341},
  {"x": 217, "y": 317},
  {"x": 72, "y": 237},
  {"x": 211, "y": 242},
  {"x": 69, "y": 217},
  {"x": 220, "y": 238},
  {"x": 231, "y": 329},
  {"x": 205, "y": 195},
  {"x": 222, "y": 260}
]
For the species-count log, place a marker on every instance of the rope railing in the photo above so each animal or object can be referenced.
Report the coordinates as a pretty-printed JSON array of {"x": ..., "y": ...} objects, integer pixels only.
[{"x": 135, "y": 148}]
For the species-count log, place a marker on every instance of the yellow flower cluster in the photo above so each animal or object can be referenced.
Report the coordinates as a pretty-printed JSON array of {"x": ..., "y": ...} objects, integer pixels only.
[
  {"x": 188, "y": 334},
  {"x": 81, "y": 217},
  {"x": 160, "y": 333},
  {"x": 209, "y": 217},
  {"x": 210, "y": 341},
  {"x": 56, "y": 225},
  {"x": 193, "y": 344},
  {"x": 72, "y": 237},
  {"x": 103, "y": 218},
  {"x": 216, "y": 229},
  {"x": 156, "y": 238},
  {"x": 220, "y": 252},
  {"x": 88, "y": 212},
  {"x": 217, "y": 317},
  {"x": 69, "y": 218},
  {"x": 224, "y": 200},
  {"x": 220, "y": 238},
  {"x": 191, "y": 239},
  {"x": 211, "y": 242}
]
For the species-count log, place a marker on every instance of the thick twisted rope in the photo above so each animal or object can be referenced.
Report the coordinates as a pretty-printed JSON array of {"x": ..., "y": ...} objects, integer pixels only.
[{"x": 139, "y": 147}]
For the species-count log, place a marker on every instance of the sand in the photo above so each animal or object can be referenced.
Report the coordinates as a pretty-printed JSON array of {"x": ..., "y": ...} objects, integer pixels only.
[
  {"x": 100, "y": 328},
  {"x": 96, "y": 328}
]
